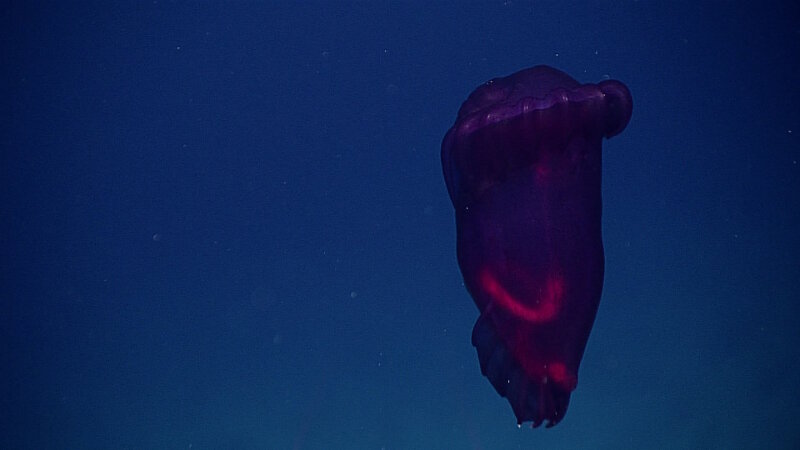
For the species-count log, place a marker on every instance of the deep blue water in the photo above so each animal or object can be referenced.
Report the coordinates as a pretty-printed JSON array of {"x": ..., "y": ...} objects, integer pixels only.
[{"x": 225, "y": 225}]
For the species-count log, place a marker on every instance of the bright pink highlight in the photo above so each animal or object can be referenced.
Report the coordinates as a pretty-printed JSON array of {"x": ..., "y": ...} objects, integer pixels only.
[
  {"x": 541, "y": 309},
  {"x": 558, "y": 372}
]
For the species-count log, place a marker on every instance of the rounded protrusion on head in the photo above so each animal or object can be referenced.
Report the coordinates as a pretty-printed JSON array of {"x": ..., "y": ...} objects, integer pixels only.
[{"x": 619, "y": 106}]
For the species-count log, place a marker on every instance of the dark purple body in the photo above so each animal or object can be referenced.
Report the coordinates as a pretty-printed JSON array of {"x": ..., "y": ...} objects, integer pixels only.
[{"x": 522, "y": 165}]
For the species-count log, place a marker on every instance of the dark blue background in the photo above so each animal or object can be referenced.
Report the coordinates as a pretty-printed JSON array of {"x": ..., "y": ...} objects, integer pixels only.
[{"x": 225, "y": 225}]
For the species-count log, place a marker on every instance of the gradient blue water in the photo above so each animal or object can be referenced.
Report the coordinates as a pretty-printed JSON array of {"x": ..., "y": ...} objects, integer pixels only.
[{"x": 225, "y": 225}]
